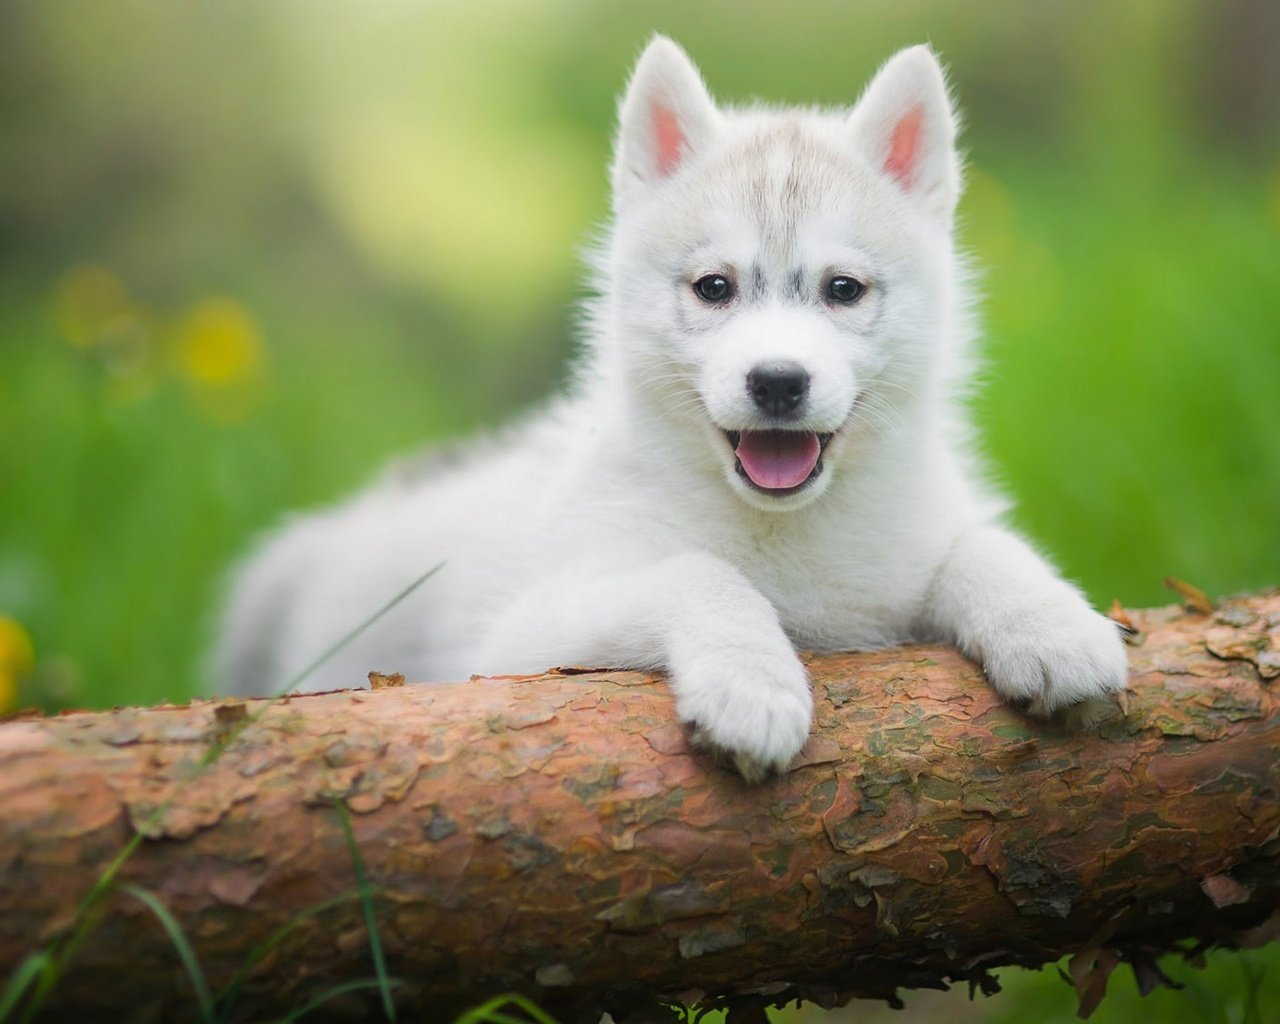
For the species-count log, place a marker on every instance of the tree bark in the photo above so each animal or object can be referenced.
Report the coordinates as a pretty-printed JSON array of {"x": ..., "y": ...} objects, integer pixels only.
[{"x": 557, "y": 836}]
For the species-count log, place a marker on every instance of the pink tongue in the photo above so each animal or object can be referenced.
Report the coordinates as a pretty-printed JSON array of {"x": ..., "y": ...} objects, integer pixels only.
[{"x": 778, "y": 459}]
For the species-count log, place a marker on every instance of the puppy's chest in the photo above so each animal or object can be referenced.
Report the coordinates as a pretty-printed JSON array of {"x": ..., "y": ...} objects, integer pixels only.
[{"x": 833, "y": 590}]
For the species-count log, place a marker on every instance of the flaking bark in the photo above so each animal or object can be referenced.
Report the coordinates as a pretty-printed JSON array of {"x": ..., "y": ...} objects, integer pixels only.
[{"x": 558, "y": 837}]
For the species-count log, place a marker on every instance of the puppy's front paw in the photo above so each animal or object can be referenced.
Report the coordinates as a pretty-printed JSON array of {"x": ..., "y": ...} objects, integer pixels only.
[
  {"x": 753, "y": 709},
  {"x": 1065, "y": 655}
]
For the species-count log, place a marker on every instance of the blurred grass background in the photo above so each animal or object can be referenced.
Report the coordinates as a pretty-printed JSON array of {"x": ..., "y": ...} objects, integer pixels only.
[{"x": 249, "y": 251}]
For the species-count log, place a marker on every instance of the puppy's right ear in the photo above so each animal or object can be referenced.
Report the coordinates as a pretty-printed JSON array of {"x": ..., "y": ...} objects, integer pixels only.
[{"x": 665, "y": 117}]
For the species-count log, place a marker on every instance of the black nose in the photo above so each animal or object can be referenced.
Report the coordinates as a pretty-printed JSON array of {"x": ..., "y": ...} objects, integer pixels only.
[{"x": 778, "y": 388}]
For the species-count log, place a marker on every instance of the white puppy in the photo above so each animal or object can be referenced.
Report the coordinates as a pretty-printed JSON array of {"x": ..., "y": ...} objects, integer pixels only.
[{"x": 765, "y": 448}]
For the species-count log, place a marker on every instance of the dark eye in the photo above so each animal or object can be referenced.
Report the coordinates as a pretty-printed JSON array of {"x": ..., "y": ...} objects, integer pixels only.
[
  {"x": 844, "y": 291},
  {"x": 714, "y": 288}
]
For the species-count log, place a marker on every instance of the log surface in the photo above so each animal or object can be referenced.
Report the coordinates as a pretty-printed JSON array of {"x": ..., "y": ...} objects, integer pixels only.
[{"x": 557, "y": 835}]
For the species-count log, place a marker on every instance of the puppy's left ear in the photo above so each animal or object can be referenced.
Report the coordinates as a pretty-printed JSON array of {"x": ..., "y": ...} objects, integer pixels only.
[
  {"x": 905, "y": 124},
  {"x": 665, "y": 118}
]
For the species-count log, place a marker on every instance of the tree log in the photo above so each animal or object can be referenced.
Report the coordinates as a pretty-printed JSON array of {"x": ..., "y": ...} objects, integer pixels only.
[{"x": 557, "y": 836}]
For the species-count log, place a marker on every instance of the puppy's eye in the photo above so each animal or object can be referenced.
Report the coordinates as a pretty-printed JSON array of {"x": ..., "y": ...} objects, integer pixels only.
[
  {"x": 713, "y": 288},
  {"x": 844, "y": 291}
]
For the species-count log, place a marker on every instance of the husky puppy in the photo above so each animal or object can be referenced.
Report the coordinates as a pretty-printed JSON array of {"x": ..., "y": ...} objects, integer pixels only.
[{"x": 765, "y": 448}]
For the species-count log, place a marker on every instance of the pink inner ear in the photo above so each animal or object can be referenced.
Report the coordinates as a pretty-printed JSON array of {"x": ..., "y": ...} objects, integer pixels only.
[
  {"x": 904, "y": 147},
  {"x": 669, "y": 138}
]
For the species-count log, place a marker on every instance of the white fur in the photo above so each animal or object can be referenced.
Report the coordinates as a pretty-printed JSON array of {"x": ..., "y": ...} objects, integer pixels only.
[{"x": 614, "y": 530}]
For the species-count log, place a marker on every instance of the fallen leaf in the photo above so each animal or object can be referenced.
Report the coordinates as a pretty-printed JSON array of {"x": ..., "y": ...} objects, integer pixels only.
[
  {"x": 1092, "y": 966},
  {"x": 1132, "y": 635},
  {"x": 1147, "y": 974},
  {"x": 1195, "y": 598},
  {"x": 383, "y": 680},
  {"x": 1120, "y": 617},
  {"x": 1090, "y": 977}
]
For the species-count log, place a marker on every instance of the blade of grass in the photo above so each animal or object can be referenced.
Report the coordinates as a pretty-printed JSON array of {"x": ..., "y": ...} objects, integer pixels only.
[
  {"x": 30, "y": 968},
  {"x": 180, "y": 943},
  {"x": 497, "y": 1017},
  {"x": 215, "y": 749},
  {"x": 488, "y": 1012},
  {"x": 370, "y": 919},
  {"x": 334, "y": 648},
  {"x": 227, "y": 997},
  {"x": 337, "y": 990}
]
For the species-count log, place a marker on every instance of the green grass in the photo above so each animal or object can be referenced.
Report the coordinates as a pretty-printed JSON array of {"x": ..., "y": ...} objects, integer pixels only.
[
  {"x": 121, "y": 513},
  {"x": 1133, "y": 358},
  {"x": 370, "y": 913},
  {"x": 231, "y": 992},
  {"x": 26, "y": 978},
  {"x": 190, "y": 962},
  {"x": 494, "y": 1012}
]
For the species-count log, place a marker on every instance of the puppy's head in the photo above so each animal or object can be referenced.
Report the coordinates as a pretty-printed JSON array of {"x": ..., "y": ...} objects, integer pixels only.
[{"x": 779, "y": 279}]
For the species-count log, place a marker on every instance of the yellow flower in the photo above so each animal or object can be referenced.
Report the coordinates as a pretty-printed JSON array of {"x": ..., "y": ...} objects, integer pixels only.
[
  {"x": 16, "y": 659},
  {"x": 221, "y": 357},
  {"x": 220, "y": 343}
]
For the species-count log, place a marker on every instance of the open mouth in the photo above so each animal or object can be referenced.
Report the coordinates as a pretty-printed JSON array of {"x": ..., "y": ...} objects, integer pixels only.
[{"x": 778, "y": 462}]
